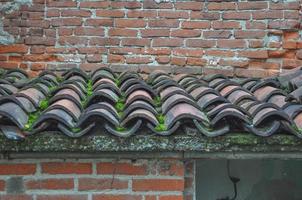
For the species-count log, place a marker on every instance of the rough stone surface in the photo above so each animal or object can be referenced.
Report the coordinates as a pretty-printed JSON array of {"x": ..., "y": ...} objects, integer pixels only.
[{"x": 237, "y": 142}]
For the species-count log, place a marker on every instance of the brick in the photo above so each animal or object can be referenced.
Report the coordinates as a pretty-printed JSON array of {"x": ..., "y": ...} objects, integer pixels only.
[
  {"x": 138, "y": 60},
  {"x": 252, "y": 5},
  {"x": 99, "y": 22},
  {"x": 75, "y": 13},
  {"x": 102, "y": 41},
  {"x": 62, "y": 4},
  {"x": 158, "y": 51},
  {"x": 255, "y": 44},
  {"x": 129, "y": 23},
  {"x": 163, "y": 59},
  {"x": 8, "y": 65},
  {"x": 174, "y": 14},
  {"x": 66, "y": 168},
  {"x": 65, "y": 31},
  {"x": 232, "y": 43},
  {"x": 62, "y": 197},
  {"x": 285, "y": 5},
  {"x": 171, "y": 23},
  {"x": 66, "y": 22},
  {"x": 196, "y": 61},
  {"x": 110, "y": 13},
  {"x": 205, "y": 15},
  {"x": 16, "y": 48},
  {"x": 254, "y": 54},
  {"x": 187, "y": 52},
  {"x": 94, "y": 58},
  {"x": 249, "y": 34},
  {"x": 291, "y": 63},
  {"x": 217, "y": 34},
  {"x": 73, "y": 40},
  {"x": 89, "y": 31},
  {"x": 234, "y": 63},
  {"x": 256, "y": 73},
  {"x": 2, "y": 185},
  {"x": 191, "y": 5},
  {"x": 291, "y": 35},
  {"x": 53, "y": 13},
  {"x": 37, "y": 66},
  {"x": 171, "y": 197},
  {"x": 220, "y": 53},
  {"x": 157, "y": 185},
  {"x": 50, "y": 184},
  {"x": 121, "y": 168},
  {"x": 291, "y": 14},
  {"x": 17, "y": 169},
  {"x": 87, "y": 184},
  {"x": 122, "y": 32},
  {"x": 178, "y": 61},
  {"x": 264, "y": 65},
  {"x": 200, "y": 43},
  {"x": 116, "y": 197},
  {"x": 167, "y": 42},
  {"x": 236, "y": 15},
  {"x": 255, "y": 25},
  {"x": 276, "y": 53},
  {"x": 299, "y": 54},
  {"x": 127, "y": 5},
  {"x": 15, "y": 197},
  {"x": 151, "y": 4},
  {"x": 136, "y": 42},
  {"x": 96, "y": 4},
  {"x": 284, "y": 24},
  {"x": 267, "y": 14},
  {"x": 115, "y": 58},
  {"x": 225, "y": 25},
  {"x": 141, "y": 13},
  {"x": 41, "y": 57},
  {"x": 173, "y": 167},
  {"x": 222, "y": 6},
  {"x": 289, "y": 45},
  {"x": 195, "y": 25},
  {"x": 155, "y": 33},
  {"x": 125, "y": 50},
  {"x": 185, "y": 33}
]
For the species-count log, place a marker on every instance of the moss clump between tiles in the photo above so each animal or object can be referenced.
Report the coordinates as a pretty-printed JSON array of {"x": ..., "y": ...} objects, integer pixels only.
[{"x": 31, "y": 120}]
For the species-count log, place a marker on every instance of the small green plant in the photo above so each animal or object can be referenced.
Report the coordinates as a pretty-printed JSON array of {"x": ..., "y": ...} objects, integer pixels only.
[
  {"x": 119, "y": 106},
  {"x": 157, "y": 101},
  {"x": 117, "y": 82},
  {"x": 59, "y": 79},
  {"x": 43, "y": 104},
  {"x": 31, "y": 119},
  {"x": 161, "y": 127},
  {"x": 161, "y": 118},
  {"x": 52, "y": 88},
  {"x": 76, "y": 130},
  {"x": 89, "y": 88},
  {"x": 120, "y": 128}
]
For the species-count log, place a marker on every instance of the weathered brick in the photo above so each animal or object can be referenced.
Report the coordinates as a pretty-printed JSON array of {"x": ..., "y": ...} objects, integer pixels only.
[
  {"x": 185, "y": 33},
  {"x": 17, "y": 169},
  {"x": 236, "y": 15},
  {"x": 205, "y": 15},
  {"x": 136, "y": 42},
  {"x": 62, "y": 197},
  {"x": 200, "y": 43},
  {"x": 15, "y": 197},
  {"x": 195, "y": 24},
  {"x": 76, "y": 13},
  {"x": 110, "y": 13},
  {"x": 158, "y": 185},
  {"x": 171, "y": 197},
  {"x": 232, "y": 43},
  {"x": 141, "y": 13},
  {"x": 99, "y": 22},
  {"x": 171, "y": 23},
  {"x": 62, "y": 4},
  {"x": 121, "y": 168},
  {"x": 129, "y": 23},
  {"x": 267, "y": 14},
  {"x": 151, "y": 4},
  {"x": 138, "y": 60},
  {"x": 66, "y": 168},
  {"x": 254, "y": 54},
  {"x": 50, "y": 184},
  {"x": 187, "y": 52},
  {"x": 226, "y": 25},
  {"x": 89, "y": 31},
  {"x": 222, "y": 6},
  {"x": 252, "y": 5},
  {"x": 116, "y": 197},
  {"x": 174, "y": 14},
  {"x": 217, "y": 34},
  {"x": 155, "y": 33},
  {"x": 96, "y": 4},
  {"x": 191, "y": 5},
  {"x": 16, "y": 48},
  {"x": 249, "y": 34},
  {"x": 122, "y": 32},
  {"x": 86, "y": 184},
  {"x": 167, "y": 42}
]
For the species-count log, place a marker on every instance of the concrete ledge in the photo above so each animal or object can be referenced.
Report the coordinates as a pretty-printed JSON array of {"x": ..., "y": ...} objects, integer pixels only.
[{"x": 237, "y": 145}]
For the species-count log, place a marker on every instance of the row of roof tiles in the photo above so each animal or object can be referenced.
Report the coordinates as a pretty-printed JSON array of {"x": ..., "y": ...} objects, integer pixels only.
[{"x": 78, "y": 103}]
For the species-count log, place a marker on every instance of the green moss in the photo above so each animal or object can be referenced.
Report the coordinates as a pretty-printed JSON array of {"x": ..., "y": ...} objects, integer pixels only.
[
  {"x": 76, "y": 130},
  {"x": 161, "y": 118},
  {"x": 243, "y": 139},
  {"x": 157, "y": 101},
  {"x": 31, "y": 119},
  {"x": 161, "y": 127},
  {"x": 89, "y": 88},
  {"x": 59, "y": 79},
  {"x": 120, "y": 128},
  {"x": 43, "y": 104},
  {"x": 119, "y": 106},
  {"x": 117, "y": 82}
]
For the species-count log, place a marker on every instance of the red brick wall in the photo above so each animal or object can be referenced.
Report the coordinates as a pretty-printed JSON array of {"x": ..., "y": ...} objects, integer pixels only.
[
  {"x": 251, "y": 38},
  {"x": 97, "y": 180}
]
